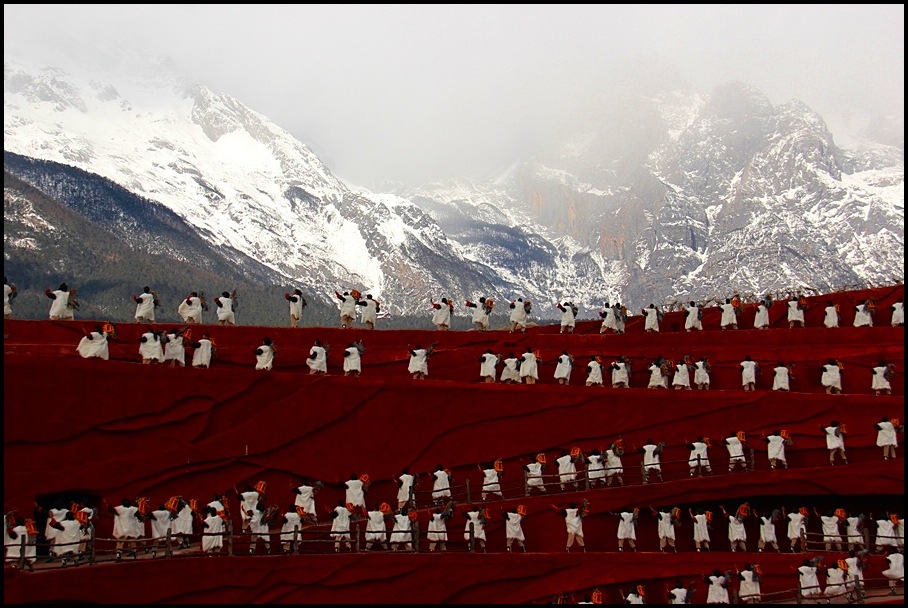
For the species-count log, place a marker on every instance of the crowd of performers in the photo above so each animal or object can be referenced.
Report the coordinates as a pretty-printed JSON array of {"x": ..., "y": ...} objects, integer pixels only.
[
  {"x": 65, "y": 300},
  {"x": 67, "y": 526},
  {"x": 170, "y": 347}
]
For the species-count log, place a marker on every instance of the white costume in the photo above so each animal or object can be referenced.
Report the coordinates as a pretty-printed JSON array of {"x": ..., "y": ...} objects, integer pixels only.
[
  {"x": 487, "y": 365},
  {"x": 348, "y": 308},
  {"x": 574, "y": 522},
  {"x": 513, "y": 528},
  {"x": 608, "y": 320},
  {"x": 776, "y": 447},
  {"x": 490, "y": 482},
  {"x": 511, "y": 370},
  {"x": 698, "y": 454},
  {"x": 150, "y": 347},
  {"x": 355, "y": 493},
  {"x": 780, "y": 378},
  {"x": 678, "y": 595},
  {"x": 528, "y": 366},
  {"x": 173, "y": 349},
  {"x": 403, "y": 490},
  {"x": 59, "y": 308},
  {"x": 190, "y": 308},
  {"x": 225, "y": 309},
  {"x": 567, "y": 317},
  {"x": 8, "y": 310},
  {"x": 862, "y": 316},
  {"x": 735, "y": 450},
  {"x": 160, "y": 524},
  {"x": 182, "y": 524},
  {"x": 419, "y": 361},
  {"x": 442, "y": 315},
  {"x": 718, "y": 592},
  {"x": 693, "y": 320},
  {"x": 682, "y": 375},
  {"x": 835, "y": 440},
  {"x": 748, "y": 372},
  {"x": 830, "y": 527},
  {"x": 594, "y": 373},
  {"x": 518, "y": 314},
  {"x": 767, "y": 530},
  {"x": 627, "y": 528},
  {"x": 370, "y": 311},
  {"x": 729, "y": 317},
  {"x": 749, "y": 589},
  {"x": 832, "y": 376},
  {"x": 797, "y": 525},
  {"x": 441, "y": 485},
  {"x": 291, "y": 520},
  {"x": 651, "y": 322},
  {"x": 656, "y": 378},
  {"x": 340, "y": 527},
  {"x": 831, "y": 317},
  {"x": 352, "y": 360},
  {"x": 479, "y": 530},
  {"x": 651, "y": 457},
  {"x": 14, "y": 546},
  {"x": 619, "y": 374},
  {"x": 595, "y": 467},
  {"x": 880, "y": 380},
  {"x": 736, "y": 532},
  {"x": 761, "y": 319},
  {"x": 896, "y": 569},
  {"x": 534, "y": 475},
  {"x": 563, "y": 368},
  {"x": 264, "y": 357},
  {"x": 296, "y": 305},
  {"x": 402, "y": 531},
  {"x": 318, "y": 359},
  {"x": 701, "y": 374},
  {"x": 145, "y": 307},
  {"x": 567, "y": 472},
  {"x": 835, "y": 582},
  {"x": 201, "y": 357},
  {"x": 795, "y": 313},
  {"x": 375, "y": 527},
  {"x": 885, "y": 434},
  {"x": 808, "y": 581},
  {"x": 94, "y": 345},
  {"x": 701, "y": 528},
  {"x": 438, "y": 528},
  {"x": 898, "y": 314},
  {"x": 613, "y": 463},
  {"x": 126, "y": 524},
  {"x": 305, "y": 498},
  {"x": 665, "y": 526},
  {"x": 213, "y": 539}
]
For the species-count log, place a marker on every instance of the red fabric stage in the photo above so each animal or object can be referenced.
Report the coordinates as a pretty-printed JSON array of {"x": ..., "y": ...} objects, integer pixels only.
[{"x": 104, "y": 430}]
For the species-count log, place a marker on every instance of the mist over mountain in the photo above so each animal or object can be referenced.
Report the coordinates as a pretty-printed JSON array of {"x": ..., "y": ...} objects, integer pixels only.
[{"x": 654, "y": 195}]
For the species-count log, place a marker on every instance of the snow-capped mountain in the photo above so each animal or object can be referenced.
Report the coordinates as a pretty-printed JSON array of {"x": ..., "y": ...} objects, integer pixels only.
[{"x": 688, "y": 196}]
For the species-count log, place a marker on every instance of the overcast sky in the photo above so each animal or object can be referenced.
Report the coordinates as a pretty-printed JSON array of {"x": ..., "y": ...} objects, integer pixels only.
[{"x": 386, "y": 93}]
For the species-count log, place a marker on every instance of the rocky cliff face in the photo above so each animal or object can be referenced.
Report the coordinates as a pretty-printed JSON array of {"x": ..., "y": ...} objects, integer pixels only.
[{"x": 681, "y": 195}]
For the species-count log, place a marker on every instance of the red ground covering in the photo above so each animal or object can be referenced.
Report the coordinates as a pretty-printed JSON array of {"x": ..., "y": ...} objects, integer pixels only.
[{"x": 109, "y": 429}]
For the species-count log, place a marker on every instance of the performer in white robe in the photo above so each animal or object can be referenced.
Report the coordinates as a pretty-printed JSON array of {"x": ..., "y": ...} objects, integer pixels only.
[
  {"x": 190, "y": 309},
  {"x": 487, "y": 366},
  {"x": 564, "y": 367},
  {"x": 318, "y": 359},
  {"x": 94, "y": 344},
  {"x": 264, "y": 355},
  {"x": 202, "y": 351},
  {"x": 144, "y": 305},
  {"x": 60, "y": 307},
  {"x": 529, "y": 370}
]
